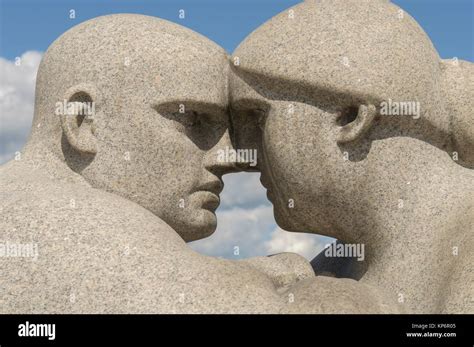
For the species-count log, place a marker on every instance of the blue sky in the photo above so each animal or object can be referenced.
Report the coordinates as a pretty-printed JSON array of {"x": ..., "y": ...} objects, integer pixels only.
[
  {"x": 34, "y": 24},
  {"x": 245, "y": 219}
]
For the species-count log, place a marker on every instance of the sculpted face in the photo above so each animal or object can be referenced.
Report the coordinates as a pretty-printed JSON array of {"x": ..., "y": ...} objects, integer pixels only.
[
  {"x": 160, "y": 116},
  {"x": 171, "y": 140},
  {"x": 311, "y": 106},
  {"x": 164, "y": 155},
  {"x": 301, "y": 160}
]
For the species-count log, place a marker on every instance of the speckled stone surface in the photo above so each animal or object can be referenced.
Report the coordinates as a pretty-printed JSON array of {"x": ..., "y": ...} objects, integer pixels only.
[
  {"x": 285, "y": 269},
  {"x": 308, "y": 89},
  {"x": 107, "y": 200}
]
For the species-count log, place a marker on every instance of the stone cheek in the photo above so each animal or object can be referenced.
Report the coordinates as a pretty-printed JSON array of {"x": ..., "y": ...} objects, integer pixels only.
[{"x": 111, "y": 186}]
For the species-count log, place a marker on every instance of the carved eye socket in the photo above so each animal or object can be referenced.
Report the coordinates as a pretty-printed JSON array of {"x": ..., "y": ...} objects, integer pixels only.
[
  {"x": 194, "y": 119},
  {"x": 347, "y": 115},
  {"x": 189, "y": 119}
]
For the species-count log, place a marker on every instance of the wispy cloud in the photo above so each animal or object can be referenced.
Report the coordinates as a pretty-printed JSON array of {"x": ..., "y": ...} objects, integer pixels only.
[
  {"x": 307, "y": 245},
  {"x": 17, "y": 91},
  {"x": 240, "y": 233},
  {"x": 243, "y": 190}
]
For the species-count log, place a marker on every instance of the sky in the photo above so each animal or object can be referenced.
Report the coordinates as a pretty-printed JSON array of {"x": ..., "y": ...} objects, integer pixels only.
[{"x": 246, "y": 226}]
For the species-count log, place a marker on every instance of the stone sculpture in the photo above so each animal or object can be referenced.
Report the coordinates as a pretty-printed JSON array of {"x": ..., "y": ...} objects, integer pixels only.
[
  {"x": 315, "y": 90},
  {"x": 108, "y": 198},
  {"x": 362, "y": 132}
]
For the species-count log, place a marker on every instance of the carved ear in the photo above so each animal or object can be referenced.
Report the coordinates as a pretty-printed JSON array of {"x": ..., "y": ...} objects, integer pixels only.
[
  {"x": 354, "y": 122},
  {"x": 77, "y": 114}
]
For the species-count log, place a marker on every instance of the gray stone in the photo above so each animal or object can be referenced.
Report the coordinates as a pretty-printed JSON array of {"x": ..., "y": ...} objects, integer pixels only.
[
  {"x": 315, "y": 90},
  {"x": 92, "y": 219},
  {"x": 96, "y": 213},
  {"x": 285, "y": 269}
]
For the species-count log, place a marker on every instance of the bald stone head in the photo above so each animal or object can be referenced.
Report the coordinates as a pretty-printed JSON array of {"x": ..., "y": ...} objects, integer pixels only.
[
  {"x": 335, "y": 94},
  {"x": 137, "y": 106}
]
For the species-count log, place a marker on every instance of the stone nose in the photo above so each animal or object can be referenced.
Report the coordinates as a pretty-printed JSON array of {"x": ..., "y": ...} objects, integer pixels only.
[{"x": 221, "y": 159}]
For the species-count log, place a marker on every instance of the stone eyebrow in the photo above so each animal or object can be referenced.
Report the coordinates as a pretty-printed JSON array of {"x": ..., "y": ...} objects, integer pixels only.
[
  {"x": 280, "y": 88},
  {"x": 249, "y": 103}
]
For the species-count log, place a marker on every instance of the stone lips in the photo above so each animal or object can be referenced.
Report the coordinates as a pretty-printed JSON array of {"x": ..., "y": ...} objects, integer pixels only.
[{"x": 110, "y": 236}]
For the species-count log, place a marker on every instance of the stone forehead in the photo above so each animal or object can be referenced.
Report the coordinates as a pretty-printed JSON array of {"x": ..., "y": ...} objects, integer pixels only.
[
  {"x": 130, "y": 52},
  {"x": 370, "y": 46}
]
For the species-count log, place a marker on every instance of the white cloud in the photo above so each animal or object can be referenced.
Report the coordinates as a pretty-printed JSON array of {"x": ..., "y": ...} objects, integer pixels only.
[
  {"x": 17, "y": 91},
  {"x": 246, "y": 229},
  {"x": 244, "y": 190},
  {"x": 307, "y": 245}
]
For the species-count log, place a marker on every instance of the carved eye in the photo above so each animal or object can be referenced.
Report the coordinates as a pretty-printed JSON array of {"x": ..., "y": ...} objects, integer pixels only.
[
  {"x": 191, "y": 119},
  {"x": 188, "y": 119}
]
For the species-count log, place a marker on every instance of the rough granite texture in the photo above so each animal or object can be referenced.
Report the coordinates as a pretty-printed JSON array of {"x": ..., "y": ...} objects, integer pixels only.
[
  {"x": 100, "y": 196},
  {"x": 110, "y": 199},
  {"x": 307, "y": 91}
]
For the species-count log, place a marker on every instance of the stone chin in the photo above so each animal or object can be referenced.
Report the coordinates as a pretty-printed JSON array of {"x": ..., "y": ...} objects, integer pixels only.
[
  {"x": 199, "y": 224},
  {"x": 282, "y": 219}
]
